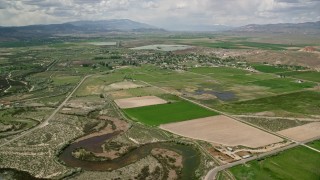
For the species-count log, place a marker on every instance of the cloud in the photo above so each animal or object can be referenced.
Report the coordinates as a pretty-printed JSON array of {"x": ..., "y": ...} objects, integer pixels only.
[
  {"x": 163, "y": 13},
  {"x": 150, "y": 5},
  {"x": 87, "y": 1}
]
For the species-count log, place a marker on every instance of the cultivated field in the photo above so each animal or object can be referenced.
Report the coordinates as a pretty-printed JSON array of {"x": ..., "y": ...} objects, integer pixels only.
[
  {"x": 139, "y": 102},
  {"x": 176, "y": 111},
  {"x": 269, "y": 68},
  {"x": 292, "y": 104},
  {"x": 296, "y": 164},
  {"x": 304, "y": 132},
  {"x": 135, "y": 92},
  {"x": 315, "y": 144},
  {"x": 222, "y": 130},
  {"x": 306, "y": 75}
]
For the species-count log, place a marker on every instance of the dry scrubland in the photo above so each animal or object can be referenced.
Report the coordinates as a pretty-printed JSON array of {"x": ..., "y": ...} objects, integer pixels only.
[
  {"x": 97, "y": 89},
  {"x": 127, "y": 172},
  {"x": 274, "y": 123},
  {"x": 36, "y": 152},
  {"x": 222, "y": 130}
]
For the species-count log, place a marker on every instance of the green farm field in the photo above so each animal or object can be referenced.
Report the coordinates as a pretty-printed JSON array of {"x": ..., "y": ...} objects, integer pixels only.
[
  {"x": 281, "y": 85},
  {"x": 245, "y": 85},
  {"x": 268, "y": 68},
  {"x": 241, "y": 82},
  {"x": 305, "y": 102},
  {"x": 231, "y": 75},
  {"x": 234, "y": 44},
  {"x": 168, "y": 113},
  {"x": 305, "y": 75},
  {"x": 296, "y": 164},
  {"x": 315, "y": 144}
]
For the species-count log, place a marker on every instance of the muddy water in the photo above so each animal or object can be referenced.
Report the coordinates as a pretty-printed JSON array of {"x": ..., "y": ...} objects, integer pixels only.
[
  {"x": 191, "y": 157},
  {"x": 225, "y": 96}
]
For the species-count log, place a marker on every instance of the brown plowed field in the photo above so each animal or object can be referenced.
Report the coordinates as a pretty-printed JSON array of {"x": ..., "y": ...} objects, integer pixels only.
[
  {"x": 222, "y": 130},
  {"x": 139, "y": 102},
  {"x": 302, "y": 133}
]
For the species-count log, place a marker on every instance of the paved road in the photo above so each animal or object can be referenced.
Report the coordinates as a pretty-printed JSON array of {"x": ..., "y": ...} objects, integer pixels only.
[
  {"x": 213, "y": 172},
  {"x": 46, "y": 122}
]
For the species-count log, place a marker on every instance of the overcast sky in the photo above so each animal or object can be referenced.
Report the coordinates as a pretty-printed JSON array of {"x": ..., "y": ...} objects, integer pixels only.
[{"x": 169, "y": 14}]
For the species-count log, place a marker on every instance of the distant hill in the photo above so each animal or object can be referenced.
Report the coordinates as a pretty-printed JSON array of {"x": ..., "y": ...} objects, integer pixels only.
[
  {"x": 300, "y": 28},
  {"x": 202, "y": 28},
  {"x": 126, "y": 25},
  {"x": 80, "y": 27},
  {"x": 113, "y": 24}
]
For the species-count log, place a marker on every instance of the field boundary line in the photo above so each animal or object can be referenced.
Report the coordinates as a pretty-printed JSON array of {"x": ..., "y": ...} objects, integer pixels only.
[{"x": 314, "y": 149}]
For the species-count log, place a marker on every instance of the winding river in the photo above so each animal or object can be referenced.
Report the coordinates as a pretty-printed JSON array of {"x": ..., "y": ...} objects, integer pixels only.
[{"x": 191, "y": 157}]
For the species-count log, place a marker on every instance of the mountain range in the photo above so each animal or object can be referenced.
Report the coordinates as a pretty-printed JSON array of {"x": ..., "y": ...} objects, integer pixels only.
[
  {"x": 290, "y": 28},
  {"x": 126, "y": 25},
  {"x": 77, "y": 27}
]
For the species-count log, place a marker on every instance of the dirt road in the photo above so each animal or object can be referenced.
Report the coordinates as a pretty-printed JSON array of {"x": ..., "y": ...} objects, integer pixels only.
[{"x": 46, "y": 122}]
